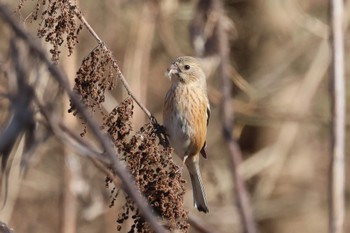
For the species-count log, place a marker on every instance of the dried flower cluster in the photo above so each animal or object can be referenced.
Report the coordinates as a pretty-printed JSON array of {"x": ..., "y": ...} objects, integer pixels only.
[
  {"x": 146, "y": 156},
  {"x": 57, "y": 25},
  {"x": 94, "y": 77},
  {"x": 154, "y": 171}
]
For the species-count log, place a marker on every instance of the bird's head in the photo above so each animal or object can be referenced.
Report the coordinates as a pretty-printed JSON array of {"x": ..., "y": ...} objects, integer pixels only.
[{"x": 186, "y": 70}]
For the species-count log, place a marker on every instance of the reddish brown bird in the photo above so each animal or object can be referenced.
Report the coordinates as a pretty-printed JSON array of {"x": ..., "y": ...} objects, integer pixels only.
[{"x": 186, "y": 115}]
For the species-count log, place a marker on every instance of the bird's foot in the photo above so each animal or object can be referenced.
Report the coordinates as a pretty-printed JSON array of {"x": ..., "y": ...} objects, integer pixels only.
[{"x": 182, "y": 165}]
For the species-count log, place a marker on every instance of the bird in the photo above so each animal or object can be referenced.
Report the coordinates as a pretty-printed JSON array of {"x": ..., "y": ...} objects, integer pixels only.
[{"x": 186, "y": 116}]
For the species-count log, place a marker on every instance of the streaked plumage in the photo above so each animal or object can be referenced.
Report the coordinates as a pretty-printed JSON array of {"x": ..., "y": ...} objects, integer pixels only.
[{"x": 186, "y": 114}]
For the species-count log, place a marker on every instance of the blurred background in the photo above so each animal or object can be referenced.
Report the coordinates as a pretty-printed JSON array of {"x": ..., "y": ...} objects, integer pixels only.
[{"x": 279, "y": 59}]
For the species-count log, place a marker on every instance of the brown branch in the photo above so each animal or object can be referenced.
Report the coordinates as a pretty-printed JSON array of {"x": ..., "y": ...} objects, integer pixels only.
[
  {"x": 200, "y": 226},
  {"x": 80, "y": 145},
  {"x": 337, "y": 93},
  {"x": 117, "y": 183},
  {"x": 209, "y": 38},
  {"x": 59, "y": 76},
  {"x": 72, "y": 168},
  {"x": 68, "y": 136},
  {"x": 4, "y": 228},
  {"x": 242, "y": 196},
  {"x": 69, "y": 202},
  {"x": 138, "y": 54},
  {"x": 114, "y": 61}
]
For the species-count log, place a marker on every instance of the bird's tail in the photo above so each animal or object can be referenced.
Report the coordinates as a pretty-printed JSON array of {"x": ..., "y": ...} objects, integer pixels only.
[{"x": 199, "y": 199}]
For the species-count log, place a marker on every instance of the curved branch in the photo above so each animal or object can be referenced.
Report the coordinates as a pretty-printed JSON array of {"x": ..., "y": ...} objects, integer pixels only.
[
  {"x": 4, "y": 228},
  {"x": 242, "y": 195},
  {"x": 337, "y": 94},
  {"x": 200, "y": 225},
  {"x": 60, "y": 77},
  {"x": 114, "y": 61}
]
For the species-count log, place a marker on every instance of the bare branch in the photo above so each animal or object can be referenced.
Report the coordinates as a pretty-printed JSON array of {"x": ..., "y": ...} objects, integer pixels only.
[
  {"x": 114, "y": 61},
  {"x": 209, "y": 38},
  {"x": 4, "y": 228},
  {"x": 337, "y": 93},
  {"x": 200, "y": 225},
  {"x": 243, "y": 199},
  {"x": 59, "y": 76}
]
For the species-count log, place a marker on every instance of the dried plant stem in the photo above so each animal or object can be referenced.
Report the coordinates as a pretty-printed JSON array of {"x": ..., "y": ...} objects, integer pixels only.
[
  {"x": 337, "y": 93},
  {"x": 4, "y": 228},
  {"x": 69, "y": 206},
  {"x": 106, "y": 171},
  {"x": 59, "y": 76},
  {"x": 138, "y": 54},
  {"x": 200, "y": 225},
  {"x": 71, "y": 166},
  {"x": 114, "y": 61},
  {"x": 275, "y": 157},
  {"x": 242, "y": 196}
]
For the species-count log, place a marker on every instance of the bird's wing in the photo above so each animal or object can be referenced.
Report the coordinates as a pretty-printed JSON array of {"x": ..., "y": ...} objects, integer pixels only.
[
  {"x": 208, "y": 113},
  {"x": 203, "y": 153}
]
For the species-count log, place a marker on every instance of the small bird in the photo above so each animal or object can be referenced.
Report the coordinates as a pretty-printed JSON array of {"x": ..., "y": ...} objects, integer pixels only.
[{"x": 186, "y": 115}]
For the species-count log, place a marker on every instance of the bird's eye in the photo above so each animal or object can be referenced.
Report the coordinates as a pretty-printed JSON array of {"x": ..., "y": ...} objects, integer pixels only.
[{"x": 187, "y": 67}]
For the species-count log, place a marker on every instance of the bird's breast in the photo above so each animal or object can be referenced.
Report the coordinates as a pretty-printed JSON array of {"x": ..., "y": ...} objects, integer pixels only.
[{"x": 185, "y": 119}]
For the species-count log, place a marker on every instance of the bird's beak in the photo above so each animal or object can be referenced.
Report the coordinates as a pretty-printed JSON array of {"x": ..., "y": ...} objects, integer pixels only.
[{"x": 172, "y": 70}]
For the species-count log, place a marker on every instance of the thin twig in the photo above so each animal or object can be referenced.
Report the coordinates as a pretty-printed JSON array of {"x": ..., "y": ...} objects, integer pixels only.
[
  {"x": 4, "y": 228},
  {"x": 278, "y": 153},
  {"x": 114, "y": 61},
  {"x": 117, "y": 183},
  {"x": 242, "y": 196},
  {"x": 118, "y": 168},
  {"x": 337, "y": 93},
  {"x": 138, "y": 55},
  {"x": 68, "y": 136},
  {"x": 200, "y": 225}
]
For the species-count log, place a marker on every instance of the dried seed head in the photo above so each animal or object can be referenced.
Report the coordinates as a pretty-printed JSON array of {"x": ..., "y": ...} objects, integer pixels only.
[
  {"x": 94, "y": 77},
  {"x": 156, "y": 177},
  {"x": 57, "y": 24}
]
